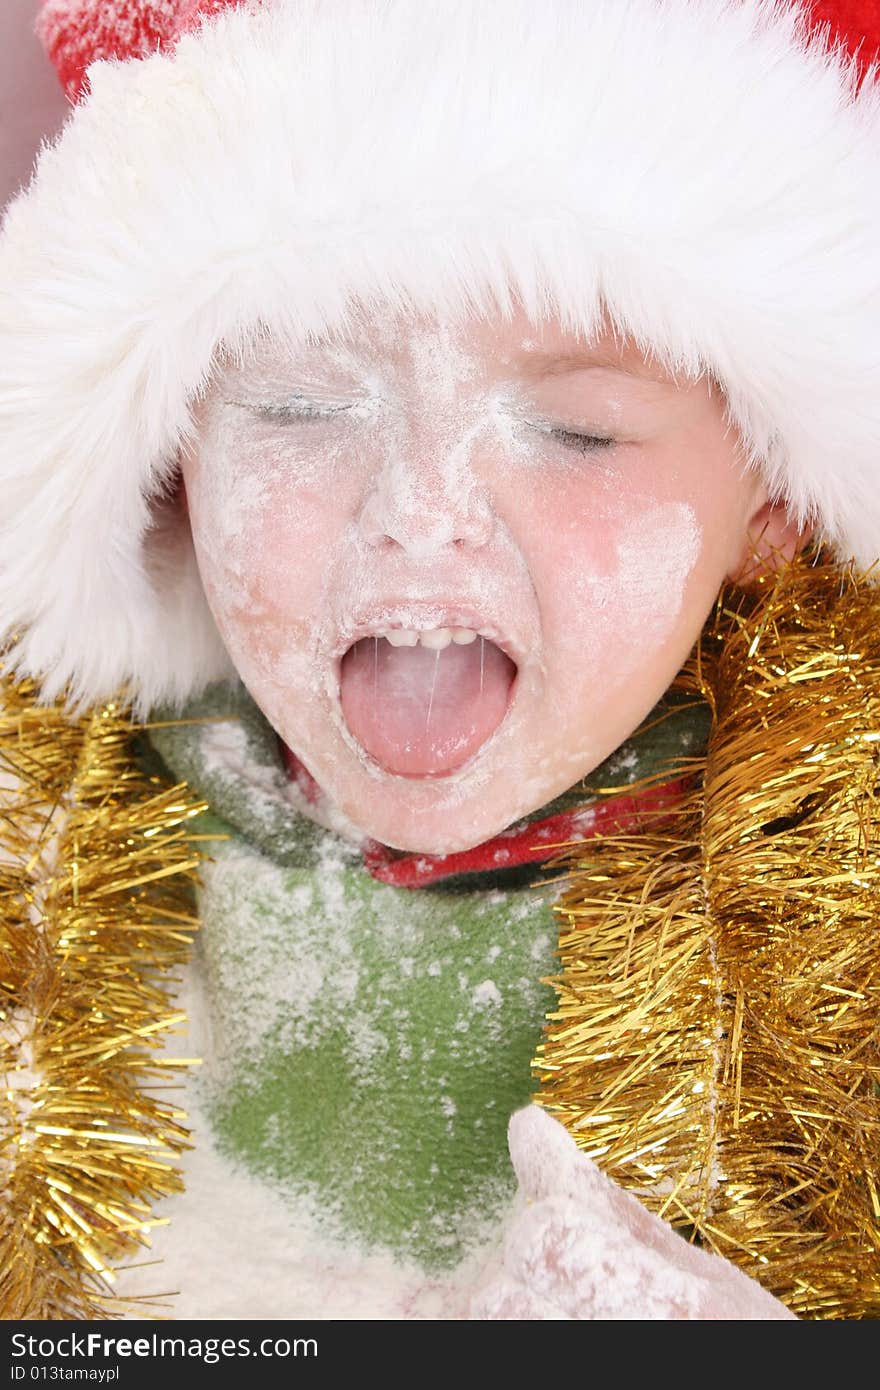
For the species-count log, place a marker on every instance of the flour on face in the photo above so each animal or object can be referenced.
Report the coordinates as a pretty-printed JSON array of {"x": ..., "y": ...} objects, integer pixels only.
[{"x": 438, "y": 553}]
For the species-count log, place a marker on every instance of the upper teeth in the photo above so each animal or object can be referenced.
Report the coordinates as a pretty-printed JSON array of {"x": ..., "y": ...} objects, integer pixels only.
[{"x": 435, "y": 637}]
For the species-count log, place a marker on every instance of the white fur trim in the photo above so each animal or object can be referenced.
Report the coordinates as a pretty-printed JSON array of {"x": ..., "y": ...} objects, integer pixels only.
[{"x": 694, "y": 163}]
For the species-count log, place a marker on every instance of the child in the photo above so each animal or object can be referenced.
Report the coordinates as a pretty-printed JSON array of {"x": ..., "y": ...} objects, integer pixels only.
[{"x": 427, "y": 373}]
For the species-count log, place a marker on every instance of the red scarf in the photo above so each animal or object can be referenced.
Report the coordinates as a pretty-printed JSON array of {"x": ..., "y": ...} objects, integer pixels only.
[{"x": 526, "y": 842}]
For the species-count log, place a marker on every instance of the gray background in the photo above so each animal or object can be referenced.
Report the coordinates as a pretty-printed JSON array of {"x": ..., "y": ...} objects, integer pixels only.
[{"x": 32, "y": 104}]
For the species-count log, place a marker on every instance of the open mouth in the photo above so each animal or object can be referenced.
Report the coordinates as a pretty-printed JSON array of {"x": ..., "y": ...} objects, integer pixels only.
[{"x": 422, "y": 702}]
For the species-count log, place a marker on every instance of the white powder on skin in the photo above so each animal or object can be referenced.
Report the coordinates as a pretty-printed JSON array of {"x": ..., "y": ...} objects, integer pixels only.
[
  {"x": 414, "y": 425},
  {"x": 656, "y": 549},
  {"x": 578, "y": 1247}
]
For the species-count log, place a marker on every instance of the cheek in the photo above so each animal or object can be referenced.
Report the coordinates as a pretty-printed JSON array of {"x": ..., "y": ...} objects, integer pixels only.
[
  {"x": 261, "y": 538},
  {"x": 653, "y": 550},
  {"x": 635, "y": 620},
  {"x": 263, "y": 543},
  {"x": 612, "y": 566}
]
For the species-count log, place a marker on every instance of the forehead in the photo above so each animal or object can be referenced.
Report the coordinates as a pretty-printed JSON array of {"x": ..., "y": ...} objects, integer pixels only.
[{"x": 497, "y": 345}]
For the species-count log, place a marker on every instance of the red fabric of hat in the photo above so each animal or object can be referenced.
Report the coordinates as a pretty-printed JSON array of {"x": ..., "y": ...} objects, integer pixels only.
[
  {"x": 76, "y": 33},
  {"x": 853, "y": 23}
]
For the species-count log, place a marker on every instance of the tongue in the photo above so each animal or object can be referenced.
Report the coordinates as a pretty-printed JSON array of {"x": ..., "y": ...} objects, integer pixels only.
[{"x": 420, "y": 712}]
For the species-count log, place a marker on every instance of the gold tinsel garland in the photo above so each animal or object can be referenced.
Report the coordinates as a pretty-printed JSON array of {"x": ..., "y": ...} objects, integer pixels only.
[
  {"x": 716, "y": 1042},
  {"x": 716, "y": 1046},
  {"x": 95, "y": 917}
]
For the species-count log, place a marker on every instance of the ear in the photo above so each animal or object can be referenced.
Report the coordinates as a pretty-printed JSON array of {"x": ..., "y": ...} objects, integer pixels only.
[{"x": 771, "y": 539}]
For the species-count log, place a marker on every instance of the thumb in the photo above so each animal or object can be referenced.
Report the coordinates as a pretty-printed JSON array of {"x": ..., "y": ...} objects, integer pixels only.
[{"x": 545, "y": 1158}]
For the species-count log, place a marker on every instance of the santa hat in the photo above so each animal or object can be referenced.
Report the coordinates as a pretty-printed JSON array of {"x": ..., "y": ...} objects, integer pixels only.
[{"x": 706, "y": 171}]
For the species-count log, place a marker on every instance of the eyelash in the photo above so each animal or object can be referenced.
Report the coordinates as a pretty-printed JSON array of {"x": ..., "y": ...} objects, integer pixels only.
[
  {"x": 586, "y": 443},
  {"x": 307, "y": 410}
]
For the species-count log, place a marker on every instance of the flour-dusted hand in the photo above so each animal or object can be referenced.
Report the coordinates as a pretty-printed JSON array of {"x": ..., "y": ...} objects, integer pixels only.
[{"x": 578, "y": 1246}]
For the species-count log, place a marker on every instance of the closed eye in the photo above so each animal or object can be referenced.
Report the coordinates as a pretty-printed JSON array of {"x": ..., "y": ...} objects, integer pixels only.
[
  {"x": 574, "y": 439},
  {"x": 587, "y": 443},
  {"x": 297, "y": 408}
]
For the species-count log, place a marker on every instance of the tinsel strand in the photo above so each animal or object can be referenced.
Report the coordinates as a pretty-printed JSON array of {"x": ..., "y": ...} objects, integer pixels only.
[
  {"x": 96, "y": 866},
  {"x": 716, "y": 1045}
]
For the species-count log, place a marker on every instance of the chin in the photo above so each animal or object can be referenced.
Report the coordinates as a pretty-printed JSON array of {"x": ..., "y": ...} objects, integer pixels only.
[
  {"x": 418, "y": 840},
  {"x": 423, "y": 828}
]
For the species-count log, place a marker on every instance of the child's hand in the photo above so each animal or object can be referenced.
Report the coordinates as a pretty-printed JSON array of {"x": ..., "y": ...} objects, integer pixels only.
[{"x": 578, "y": 1246}]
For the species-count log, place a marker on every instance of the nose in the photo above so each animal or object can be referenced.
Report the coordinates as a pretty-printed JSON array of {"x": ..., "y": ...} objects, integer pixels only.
[{"x": 422, "y": 511}]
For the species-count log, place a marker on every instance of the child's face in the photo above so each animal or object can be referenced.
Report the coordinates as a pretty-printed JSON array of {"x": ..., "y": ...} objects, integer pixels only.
[{"x": 575, "y": 505}]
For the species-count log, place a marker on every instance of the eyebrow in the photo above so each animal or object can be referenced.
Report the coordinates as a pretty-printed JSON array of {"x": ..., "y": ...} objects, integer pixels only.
[{"x": 558, "y": 363}]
